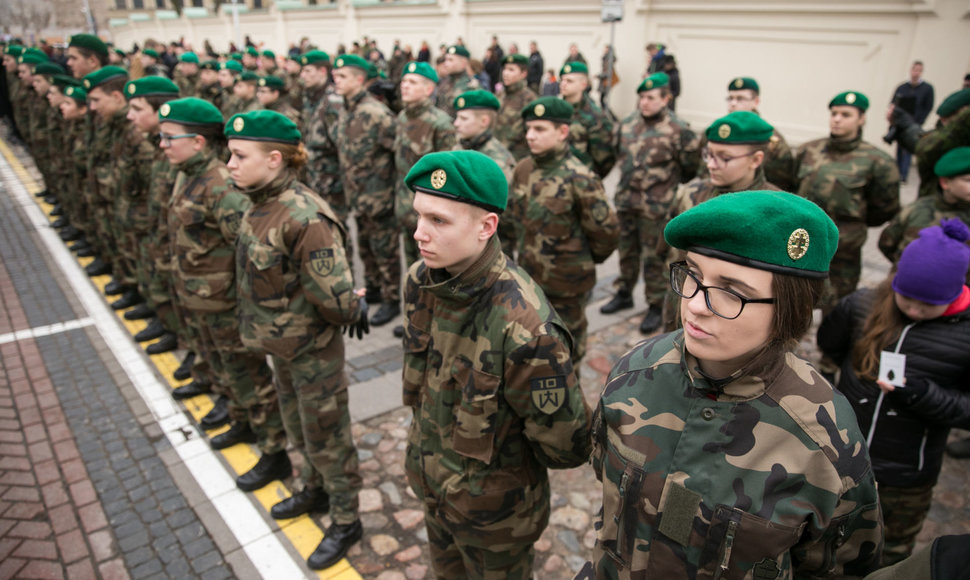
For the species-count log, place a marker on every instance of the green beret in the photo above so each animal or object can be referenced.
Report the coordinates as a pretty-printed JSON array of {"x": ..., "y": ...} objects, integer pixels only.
[
  {"x": 574, "y": 67},
  {"x": 14, "y": 50},
  {"x": 955, "y": 162},
  {"x": 48, "y": 68},
  {"x": 315, "y": 57},
  {"x": 210, "y": 65},
  {"x": 64, "y": 81},
  {"x": 121, "y": 53},
  {"x": 272, "y": 82},
  {"x": 103, "y": 75},
  {"x": 150, "y": 52},
  {"x": 351, "y": 60},
  {"x": 466, "y": 176},
  {"x": 32, "y": 56},
  {"x": 517, "y": 58},
  {"x": 189, "y": 57},
  {"x": 149, "y": 87},
  {"x": 236, "y": 56},
  {"x": 251, "y": 51},
  {"x": 744, "y": 83},
  {"x": 262, "y": 125},
  {"x": 850, "y": 99},
  {"x": 768, "y": 230},
  {"x": 422, "y": 68},
  {"x": 459, "y": 50},
  {"x": 954, "y": 103},
  {"x": 548, "y": 109},
  {"x": 269, "y": 54},
  {"x": 372, "y": 72},
  {"x": 654, "y": 81},
  {"x": 77, "y": 93},
  {"x": 740, "y": 127},
  {"x": 190, "y": 111},
  {"x": 232, "y": 65},
  {"x": 248, "y": 76},
  {"x": 90, "y": 42},
  {"x": 477, "y": 99}
]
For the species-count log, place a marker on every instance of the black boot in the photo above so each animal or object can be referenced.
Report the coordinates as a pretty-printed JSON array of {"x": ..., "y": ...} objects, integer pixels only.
[
  {"x": 141, "y": 312},
  {"x": 85, "y": 252},
  {"x": 168, "y": 342},
  {"x": 386, "y": 313},
  {"x": 651, "y": 320},
  {"x": 42, "y": 193},
  {"x": 336, "y": 541},
  {"x": 97, "y": 268},
  {"x": 621, "y": 301},
  {"x": 238, "y": 433},
  {"x": 60, "y": 222},
  {"x": 218, "y": 416},
  {"x": 80, "y": 244},
  {"x": 309, "y": 500},
  {"x": 959, "y": 449},
  {"x": 130, "y": 298},
  {"x": 185, "y": 369},
  {"x": 51, "y": 200},
  {"x": 115, "y": 287},
  {"x": 398, "y": 331},
  {"x": 270, "y": 467},
  {"x": 151, "y": 332},
  {"x": 193, "y": 389},
  {"x": 70, "y": 234}
]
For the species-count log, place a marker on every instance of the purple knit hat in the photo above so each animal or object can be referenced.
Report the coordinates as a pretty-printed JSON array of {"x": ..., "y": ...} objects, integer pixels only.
[{"x": 933, "y": 267}]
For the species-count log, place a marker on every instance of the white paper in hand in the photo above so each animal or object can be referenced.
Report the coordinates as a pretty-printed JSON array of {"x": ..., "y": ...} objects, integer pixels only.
[{"x": 892, "y": 368}]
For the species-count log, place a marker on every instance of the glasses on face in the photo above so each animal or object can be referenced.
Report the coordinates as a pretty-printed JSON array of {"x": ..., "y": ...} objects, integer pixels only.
[
  {"x": 720, "y": 161},
  {"x": 166, "y": 138},
  {"x": 721, "y": 301},
  {"x": 738, "y": 98}
]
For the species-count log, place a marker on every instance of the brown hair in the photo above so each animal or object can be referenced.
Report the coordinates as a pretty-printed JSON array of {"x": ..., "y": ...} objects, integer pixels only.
[
  {"x": 795, "y": 299},
  {"x": 88, "y": 53},
  {"x": 883, "y": 325},
  {"x": 115, "y": 85},
  {"x": 294, "y": 154},
  {"x": 156, "y": 101}
]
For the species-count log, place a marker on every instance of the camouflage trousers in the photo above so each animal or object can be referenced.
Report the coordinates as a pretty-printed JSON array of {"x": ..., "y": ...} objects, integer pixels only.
[
  {"x": 641, "y": 237},
  {"x": 314, "y": 403},
  {"x": 245, "y": 376},
  {"x": 190, "y": 337},
  {"x": 451, "y": 560},
  {"x": 380, "y": 251},
  {"x": 903, "y": 511},
  {"x": 572, "y": 311}
]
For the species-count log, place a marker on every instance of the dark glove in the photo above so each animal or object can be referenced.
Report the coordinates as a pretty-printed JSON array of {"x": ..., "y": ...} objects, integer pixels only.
[
  {"x": 362, "y": 326},
  {"x": 905, "y": 396}
]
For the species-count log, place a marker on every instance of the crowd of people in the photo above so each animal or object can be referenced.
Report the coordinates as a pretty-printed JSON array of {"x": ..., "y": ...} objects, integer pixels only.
[{"x": 217, "y": 193}]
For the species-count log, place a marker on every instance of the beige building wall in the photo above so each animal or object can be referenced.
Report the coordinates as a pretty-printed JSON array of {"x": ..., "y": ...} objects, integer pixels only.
[{"x": 802, "y": 52}]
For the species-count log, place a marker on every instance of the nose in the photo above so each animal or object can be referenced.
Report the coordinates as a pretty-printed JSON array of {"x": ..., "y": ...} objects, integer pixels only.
[
  {"x": 419, "y": 234},
  {"x": 698, "y": 304}
]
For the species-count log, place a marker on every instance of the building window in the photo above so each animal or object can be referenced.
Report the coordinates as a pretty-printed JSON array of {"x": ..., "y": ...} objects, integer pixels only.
[
  {"x": 197, "y": 3},
  {"x": 120, "y": 5},
  {"x": 257, "y": 4},
  {"x": 138, "y": 4},
  {"x": 160, "y": 3}
]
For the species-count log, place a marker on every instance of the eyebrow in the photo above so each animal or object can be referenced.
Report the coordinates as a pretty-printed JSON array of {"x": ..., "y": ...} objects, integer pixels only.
[{"x": 727, "y": 280}]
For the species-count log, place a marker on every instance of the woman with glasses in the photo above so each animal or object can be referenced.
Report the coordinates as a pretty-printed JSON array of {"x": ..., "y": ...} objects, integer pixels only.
[{"x": 722, "y": 454}]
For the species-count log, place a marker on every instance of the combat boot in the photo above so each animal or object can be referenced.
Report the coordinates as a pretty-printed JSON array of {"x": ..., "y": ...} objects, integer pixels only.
[
  {"x": 218, "y": 416},
  {"x": 115, "y": 287},
  {"x": 98, "y": 267},
  {"x": 140, "y": 312},
  {"x": 70, "y": 234},
  {"x": 193, "y": 389},
  {"x": 622, "y": 300},
  {"x": 336, "y": 541},
  {"x": 60, "y": 223},
  {"x": 130, "y": 298},
  {"x": 386, "y": 313},
  {"x": 154, "y": 330},
  {"x": 313, "y": 499},
  {"x": 651, "y": 320},
  {"x": 185, "y": 369},
  {"x": 270, "y": 467},
  {"x": 168, "y": 342},
  {"x": 238, "y": 433}
]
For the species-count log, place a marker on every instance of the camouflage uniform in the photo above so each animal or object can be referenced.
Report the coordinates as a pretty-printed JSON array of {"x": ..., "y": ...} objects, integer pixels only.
[
  {"x": 212, "y": 93},
  {"x": 509, "y": 125},
  {"x": 187, "y": 84},
  {"x": 591, "y": 136},
  {"x": 858, "y": 187},
  {"x": 228, "y": 103},
  {"x": 922, "y": 213},
  {"x": 294, "y": 90},
  {"x": 450, "y": 87},
  {"x": 296, "y": 289},
  {"x": 282, "y": 106},
  {"x": 654, "y": 155},
  {"x": 203, "y": 219},
  {"x": 40, "y": 133},
  {"x": 489, "y": 145},
  {"x": 235, "y": 106},
  {"x": 103, "y": 155},
  {"x": 131, "y": 203},
  {"x": 20, "y": 103},
  {"x": 365, "y": 142},
  {"x": 778, "y": 165},
  {"x": 495, "y": 399},
  {"x": 72, "y": 164},
  {"x": 763, "y": 474},
  {"x": 421, "y": 128},
  {"x": 566, "y": 227},
  {"x": 935, "y": 144},
  {"x": 319, "y": 129}
]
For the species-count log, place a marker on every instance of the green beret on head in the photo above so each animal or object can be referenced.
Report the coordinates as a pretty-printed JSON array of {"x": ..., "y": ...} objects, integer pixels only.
[
  {"x": 272, "y": 82},
  {"x": 574, "y": 67},
  {"x": 372, "y": 72},
  {"x": 149, "y": 87},
  {"x": 744, "y": 83},
  {"x": 421, "y": 68},
  {"x": 190, "y": 111},
  {"x": 233, "y": 65},
  {"x": 738, "y": 128},
  {"x": 90, "y": 42},
  {"x": 251, "y": 51},
  {"x": 954, "y": 103},
  {"x": 269, "y": 54},
  {"x": 121, "y": 53},
  {"x": 262, "y": 125},
  {"x": 477, "y": 99},
  {"x": 351, "y": 60},
  {"x": 48, "y": 68},
  {"x": 103, "y": 75},
  {"x": 459, "y": 50},
  {"x": 466, "y": 176},
  {"x": 150, "y": 52},
  {"x": 14, "y": 50},
  {"x": 210, "y": 65},
  {"x": 768, "y": 230},
  {"x": 236, "y": 56},
  {"x": 315, "y": 57},
  {"x": 654, "y": 81},
  {"x": 955, "y": 162},
  {"x": 517, "y": 58},
  {"x": 548, "y": 109},
  {"x": 850, "y": 99},
  {"x": 248, "y": 76},
  {"x": 32, "y": 56},
  {"x": 64, "y": 81},
  {"x": 77, "y": 93},
  {"x": 189, "y": 57}
]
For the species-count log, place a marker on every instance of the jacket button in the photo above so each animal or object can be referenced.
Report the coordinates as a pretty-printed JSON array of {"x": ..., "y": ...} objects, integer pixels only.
[{"x": 708, "y": 414}]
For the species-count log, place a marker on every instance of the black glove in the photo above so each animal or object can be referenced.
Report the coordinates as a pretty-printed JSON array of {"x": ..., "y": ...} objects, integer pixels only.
[
  {"x": 362, "y": 326},
  {"x": 914, "y": 390}
]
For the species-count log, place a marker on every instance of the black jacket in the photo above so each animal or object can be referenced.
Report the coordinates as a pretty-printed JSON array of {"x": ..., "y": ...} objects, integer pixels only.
[{"x": 910, "y": 433}]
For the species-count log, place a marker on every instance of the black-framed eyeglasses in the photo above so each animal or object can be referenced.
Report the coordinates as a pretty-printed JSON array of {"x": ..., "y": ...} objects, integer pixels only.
[
  {"x": 166, "y": 138},
  {"x": 719, "y": 162},
  {"x": 721, "y": 301}
]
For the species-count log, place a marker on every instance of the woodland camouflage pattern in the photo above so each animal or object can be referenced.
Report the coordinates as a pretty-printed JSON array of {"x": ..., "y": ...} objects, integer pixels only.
[
  {"x": 133, "y": 167},
  {"x": 591, "y": 136},
  {"x": 779, "y": 163},
  {"x": 107, "y": 148},
  {"x": 156, "y": 245},
  {"x": 794, "y": 494},
  {"x": 923, "y": 213},
  {"x": 282, "y": 106},
  {"x": 488, "y": 375},
  {"x": 487, "y": 144},
  {"x": 509, "y": 125},
  {"x": 450, "y": 87},
  {"x": 319, "y": 132}
]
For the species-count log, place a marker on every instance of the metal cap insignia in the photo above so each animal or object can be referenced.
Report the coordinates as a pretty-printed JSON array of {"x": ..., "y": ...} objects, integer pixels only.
[
  {"x": 304, "y": 60},
  {"x": 724, "y": 131},
  {"x": 165, "y": 110},
  {"x": 649, "y": 84},
  {"x": 131, "y": 89},
  {"x": 850, "y": 98},
  {"x": 461, "y": 101},
  {"x": 540, "y": 110},
  {"x": 262, "y": 82},
  {"x": 438, "y": 178},
  {"x": 451, "y": 50},
  {"x": 798, "y": 243},
  {"x": 738, "y": 83},
  {"x": 69, "y": 91},
  {"x": 412, "y": 67},
  {"x": 340, "y": 62},
  {"x": 87, "y": 84},
  {"x": 238, "y": 124},
  {"x": 567, "y": 69}
]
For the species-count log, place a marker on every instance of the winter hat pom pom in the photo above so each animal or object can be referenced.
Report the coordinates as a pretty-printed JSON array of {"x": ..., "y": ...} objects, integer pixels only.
[{"x": 955, "y": 228}]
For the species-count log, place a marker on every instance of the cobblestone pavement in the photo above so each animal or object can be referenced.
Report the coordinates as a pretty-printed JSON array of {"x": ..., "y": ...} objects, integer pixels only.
[{"x": 91, "y": 487}]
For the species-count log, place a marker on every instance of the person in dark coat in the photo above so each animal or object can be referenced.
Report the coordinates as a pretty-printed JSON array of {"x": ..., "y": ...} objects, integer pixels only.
[{"x": 915, "y": 96}]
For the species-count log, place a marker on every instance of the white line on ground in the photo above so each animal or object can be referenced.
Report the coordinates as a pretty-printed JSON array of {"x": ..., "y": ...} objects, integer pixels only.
[{"x": 45, "y": 330}]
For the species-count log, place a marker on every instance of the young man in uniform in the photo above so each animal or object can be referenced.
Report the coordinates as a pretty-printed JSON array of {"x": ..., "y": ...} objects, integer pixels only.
[
  {"x": 509, "y": 126},
  {"x": 187, "y": 74},
  {"x": 227, "y": 80},
  {"x": 565, "y": 224},
  {"x": 209, "y": 87},
  {"x": 244, "y": 93},
  {"x": 457, "y": 80},
  {"x": 271, "y": 94},
  {"x": 744, "y": 94},
  {"x": 488, "y": 375},
  {"x": 591, "y": 130}
]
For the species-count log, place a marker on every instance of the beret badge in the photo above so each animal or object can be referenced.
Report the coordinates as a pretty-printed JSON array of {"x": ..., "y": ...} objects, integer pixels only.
[
  {"x": 238, "y": 124},
  {"x": 798, "y": 244},
  {"x": 340, "y": 62},
  {"x": 738, "y": 83},
  {"x": 724, "y": 131},
  {"x": 438, "y": 178},
  {"x": 649, "y": 84},
  {"x": 87, "y": 84},
  {"x": 304, "y": 60},
  {"x": 540, "y": 110},
  {"x": 412, "y": 67},
  {"x": 567, "y": 69},
  {"x": 461, "y": 101},
  {"x": 850, "y": 98},
  {"x": 131, "y": 89},
  {"x": 165, "y": 110}
]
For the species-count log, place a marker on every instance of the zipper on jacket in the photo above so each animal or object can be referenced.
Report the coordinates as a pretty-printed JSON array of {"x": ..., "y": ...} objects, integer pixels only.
[
  {"x": 922, "y": 448},
  {"x": 617, "y": 554},
  {"x": 882, "y": 395},
  {"x": 726, "y": 548}
]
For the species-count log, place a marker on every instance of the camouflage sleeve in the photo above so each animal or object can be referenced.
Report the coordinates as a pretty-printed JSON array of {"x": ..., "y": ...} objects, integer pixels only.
[
  {"x": 882, "y": 193},
  {"x": 143, "y": 157},
  {"x": 386, "y": 131},
  {"x": 227, "y": 209},
  {"x": 444, "y": 139},
  {"x": 325, "y": 273},
  {"x": 597, "y": 218},
  {"x": 689, "y": 155},
  {"x": 601, "y": 146},
  {"x": 934, "y": 144},
  {"x": 892, "y": 236}
]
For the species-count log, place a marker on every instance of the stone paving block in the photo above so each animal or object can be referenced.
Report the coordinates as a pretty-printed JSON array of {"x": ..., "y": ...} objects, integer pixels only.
[
  {"x": 42, "y": 569},
  {"x": 36, "y": 550},
  {"x": 82, "y": 570},
  {"x": 72, "y": 546}
]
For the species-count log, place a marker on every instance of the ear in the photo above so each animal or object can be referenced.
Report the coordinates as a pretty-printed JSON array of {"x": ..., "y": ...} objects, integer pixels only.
[
  {"x": 275, "y": 159},
  {"x": 757, "y": 159},
  {"x": 489, "y": 226},
  {"x": 563, "y": 130}
]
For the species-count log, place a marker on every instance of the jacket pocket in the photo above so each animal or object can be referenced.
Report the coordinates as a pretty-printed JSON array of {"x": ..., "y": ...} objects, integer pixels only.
[
  {"x": 416, "y": 344},
  {"x": 475, "y": 414},
  {"x": 740, "y": 545},
  {"x": 264, "y": 274}
]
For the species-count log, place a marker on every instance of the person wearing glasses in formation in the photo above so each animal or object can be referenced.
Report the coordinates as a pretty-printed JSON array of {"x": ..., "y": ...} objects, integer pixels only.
[
  {"x": 744, "y": 94},
  {"x": 721, "y": 452}
]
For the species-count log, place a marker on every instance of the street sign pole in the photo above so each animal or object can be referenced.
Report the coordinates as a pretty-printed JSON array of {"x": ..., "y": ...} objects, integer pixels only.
[{"x": 612, "y": 12}]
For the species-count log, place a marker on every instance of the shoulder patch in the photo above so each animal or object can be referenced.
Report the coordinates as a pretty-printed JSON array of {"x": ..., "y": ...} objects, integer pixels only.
[
  {"x": 600, "y": 211},
  {"x": 322, "y": 262},
  {"x": 548, "y": 393}
]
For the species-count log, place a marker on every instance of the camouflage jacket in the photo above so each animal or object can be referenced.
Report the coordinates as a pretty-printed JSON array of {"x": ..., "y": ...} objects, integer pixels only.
[
  {"x": 779, "y": 162},
  {"x": 488, "y": 376},
  {"x": 489, "y": 145},
  {"x": 235, "y": 106},
  {"x": 854, "y": 182},
  {"x": 509, "y": 126},
  {"x": 161, "y": 182},
  {"x": 75, "y": 155},
  {"x": 212, "y": 93},
  {"x": 934, "y": 144},
  {"x": 591, "y": 136},
  {"x": 365, "y": 142},
  {"x": 39, "y": 118},
  {"x": 134, "y": 167},
  {"x": 282, "y": 106},
  {"x": 203, "y": 222},
  {"x": 187, "y": 84},
  {"x": 422, "y": 128},
  {"x": 294, "y": 90},
  {"x": 55, "y": 149},
  {"x": 764, "y": 474},
  {"x": 922, "y": 213},
  {"x": 699, "y": 190},
  {"x": 654, "y": 155},
  {"x": 296, "y": 287},
  {"x": 20, "y": 103},
  {"x": 228, "y": 103},
  {"x": 105, "y": 149},
  {"x": 320, "y": 116},
  {"x": 450, "y": 87},
  {"x": 565, "y": 224}
]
